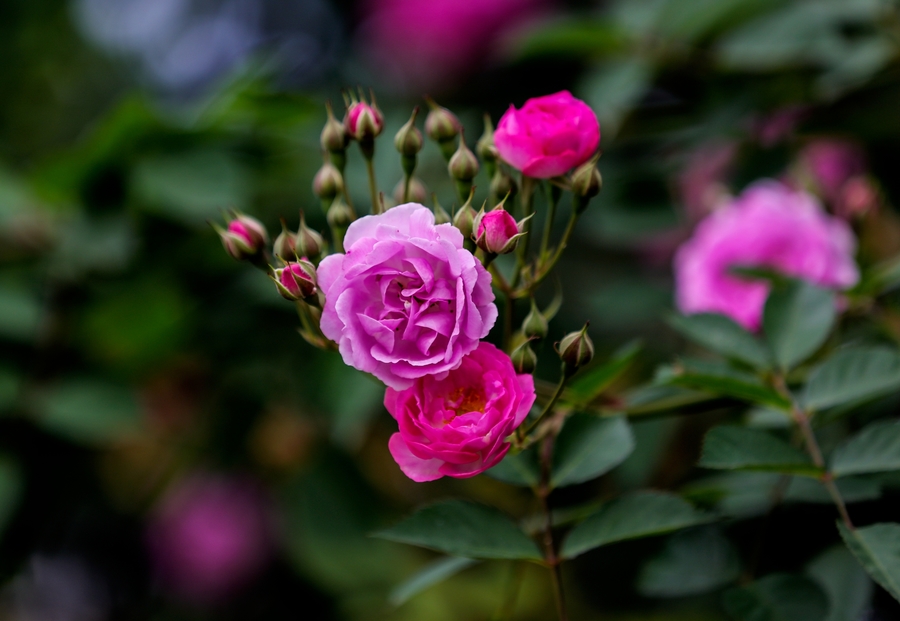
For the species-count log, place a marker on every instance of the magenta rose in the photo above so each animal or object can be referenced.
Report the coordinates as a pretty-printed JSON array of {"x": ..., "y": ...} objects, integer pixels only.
[
  {"x": 406, "y": 299},
  {"x": 771, "y": 226},
  {"x": 548, "y": 136},
  {"x": 457, "y": 426}
]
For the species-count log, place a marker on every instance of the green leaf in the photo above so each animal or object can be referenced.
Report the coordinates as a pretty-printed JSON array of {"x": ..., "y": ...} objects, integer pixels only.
[
  {"x": 10, "y": 489},
  {"x": 777, "y": 597},
  {"x": 520, "y": 469},
  {"x": 796, "y": 320},
  {"x": 693, "y": 562},
  {"x": 874, "y": 449},
  {"x": 846, "y": 584},
  {"x": 877, "y": 548},
  {"x": 590, "y": 384},
  {"x": 20, "y": 313},
  {"x": 89, "y": 411},
  {"x": 853, "y": 374},
  {"x": 589, "y": 446},
  {"x": 428, "y": 576},
  {"x": 571, "y": 37},
  {"x": 642, "y": 514},
  {"x": 723, "y": 336},
  {"x": 722, "y": 380},
  {"x": 729, "y": 447},
  {"x": 464, "y": 528}
]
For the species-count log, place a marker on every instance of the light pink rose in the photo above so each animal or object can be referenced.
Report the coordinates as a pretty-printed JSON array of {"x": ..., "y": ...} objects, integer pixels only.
[
  {"x": 769, "y": 225},
  {"x": 407, "y": 299},
  {"x": 209, "y": 536},
  {"x": 548, "y": 136},
  {"x": 457, "y": 426},
  {"x": 428, "y": 45}
]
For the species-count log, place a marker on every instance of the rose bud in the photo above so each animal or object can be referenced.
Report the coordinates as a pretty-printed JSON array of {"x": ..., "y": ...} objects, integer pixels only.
[
  {"x": 440, "y": 214},
  {"x": 858, "y": 196},
  {"x": 296, "y": 280},
  {"x": 417, "y": 192},
  {"x": 442, "y": 126},
  {"x": 463, "y": 165},
  {"x": 502, "y": 184},
  {"x": 333, "y": 138},
  {"x": 308, "y": 241},
  {"x": 244, "y": 238},
  {"x": 363, "y": 121},
  {"x": 340, "y": 215},
  {"x": 586, "y": 184},
  {"x": 535, "y": 325},
  {"x": 285, "y": 246},
  {"x": 485, "y": 147},
  {"x": 408, "y": 140},
  {"x": 464, "y": 219},
  {"x": 523, "y": 358},
  {"x": 328, "y": 183},
  {"x": 496, "y": 232},
  {"x": 576, "y": 350}
]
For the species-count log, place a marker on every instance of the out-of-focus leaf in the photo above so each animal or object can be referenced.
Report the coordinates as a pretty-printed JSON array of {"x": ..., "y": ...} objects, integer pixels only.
[
  {"x": 796, "y": 320},
  {"x": 94, "y": 244},
  {"x": 589, "y": 446},
  {"x": 89, "y": 411},
  {"x": 728, "y": 447},
  {"x": 722, "y": 335},
  {"x": 852, "y": 489},
  {"x": 857, "y": 64},
  {"x": 690, "y": 20},
  {"x": 521, "y": 469},
  {"x": 777, "y": 597},
  {"x": 853, "y": 374},
  {"x": 614, "y": 88},
  {"x": 846, "y": 584},
  {"x": 578, "y": 37},
  {"x": 464, "y": 529},
  {"x": 9, "y": 388},
  {"x": 877, "y": 548},
  {"x": 642, "y": 514},
  {"x": 20, "y": 313},
  {"x": 590, "y": 383},
  {"x": 653, "y": 399},
  {"x": 874, "y": 449},
  {"x": 10, "y": 489},
  {"x": 191, "y": 187},
  {"x": 694, "y": 561},
  {"x": 719, "y": 379},
  {"x": 428, "y": 576},
  {"x": 354, "y": 399}
]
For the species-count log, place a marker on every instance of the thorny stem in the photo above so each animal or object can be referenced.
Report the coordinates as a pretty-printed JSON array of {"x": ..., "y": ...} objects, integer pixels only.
[
  {"x": 543, "y": 491},
  {"x": 801, "y": 418}
]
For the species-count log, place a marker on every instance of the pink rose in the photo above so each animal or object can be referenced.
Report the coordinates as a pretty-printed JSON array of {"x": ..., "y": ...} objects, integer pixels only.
[
  {"x": 548, "y": 136},
  {"x": 769, "y": 225},
  {"x": 457, "y": 426},
  {"x": 497, "y": 232},
  {"x": 209, "y": 536},
  {"x": 831, "y": 162},
  {"x": 407, "y": 299}
]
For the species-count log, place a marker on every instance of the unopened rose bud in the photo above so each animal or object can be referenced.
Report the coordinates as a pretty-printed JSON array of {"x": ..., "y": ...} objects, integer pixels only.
[
  {"x": 440, "y": 214},
  {"x": 285, "y": 246},
  {"x": 244, "y": 238},
  {"x": 485, "y": 147},
  {"x": 576, "y": 350},
  {"x": 496, "y": 232},
  {"x": 417, "y": 192},
  {"x": 333, "y": 138},
  {"x": 442, "y": 126},
  {"x": 502, "y": 184},
  {"x": 463, "y": 165},
  {"x": 339, "y": 215},
  {"x": 328, "y": 183},
  {"x": 296, "y": 280},
  {"x": 535, "y": 325},
  {"x": 308, "y": 241},
  {"x": 524, "y": 359},
  {"x": 363, "y": 122},
  {"x": 464, "y": 219},
  {"x": 586, "y": 184},
  {"x": 408, "y": 140}
]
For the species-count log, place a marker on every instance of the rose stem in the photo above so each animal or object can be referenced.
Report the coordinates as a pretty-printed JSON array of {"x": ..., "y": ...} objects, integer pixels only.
[
  {"x": 801, "y": 418},
  {"x": 373, "y": 186},
  {"x": 527, "y": 202},
  {"x": 549, "y": 407},
  {"x": 553, "y": 196},
  {"x": 550, "y": 556}
]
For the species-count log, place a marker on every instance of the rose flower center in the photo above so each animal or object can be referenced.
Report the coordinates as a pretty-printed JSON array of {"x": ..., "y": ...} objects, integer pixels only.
[{"x": 466, "y": 399}]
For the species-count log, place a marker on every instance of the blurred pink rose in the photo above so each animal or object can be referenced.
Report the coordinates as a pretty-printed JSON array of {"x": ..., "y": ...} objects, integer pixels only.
[
  {"x": 548, "y": 136},
  {"x": 457, "y": 426},
  {"x": 407, "y": 299},
  {"x": 209, "y": 536},
  {"x": 769, "y": 225},
  {"x": 701, "y": 184},
  {"x": 830, "y": 162},
  {"x": 429, "y": 44},
  {"x": 859, "y": 195}
]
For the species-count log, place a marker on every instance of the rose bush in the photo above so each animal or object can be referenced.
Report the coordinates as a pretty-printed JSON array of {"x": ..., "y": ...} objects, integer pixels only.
[
  {"x": 771, "y": 226},
  {"x": 457, "y": 426},
  {"x": 406, "y": 299},
  {"x": 548, "y": 136}
]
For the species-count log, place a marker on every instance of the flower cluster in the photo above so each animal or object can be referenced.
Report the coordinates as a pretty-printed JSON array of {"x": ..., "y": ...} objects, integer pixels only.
[{"x": 410, "y": 298}]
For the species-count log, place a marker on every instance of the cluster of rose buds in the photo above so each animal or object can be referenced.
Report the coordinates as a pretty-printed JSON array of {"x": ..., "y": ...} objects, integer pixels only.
[{"x": 407, "y": 293}]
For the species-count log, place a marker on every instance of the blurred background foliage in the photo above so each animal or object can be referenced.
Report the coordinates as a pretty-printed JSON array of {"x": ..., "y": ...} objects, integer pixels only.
[{"x": 135, "y": 355}]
